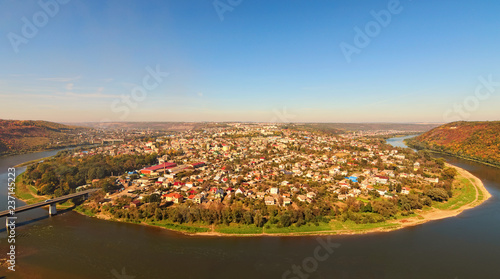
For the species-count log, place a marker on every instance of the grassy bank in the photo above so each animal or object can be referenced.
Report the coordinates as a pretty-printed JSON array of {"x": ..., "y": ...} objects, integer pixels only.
[
  {"x": 178, "y": 227},
  {"x": 464, "y": 192},
  {"x": 28, "y": 194}
]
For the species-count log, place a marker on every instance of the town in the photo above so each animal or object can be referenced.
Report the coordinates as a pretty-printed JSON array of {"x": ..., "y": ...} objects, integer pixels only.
[{"x": 269, "y": 169}]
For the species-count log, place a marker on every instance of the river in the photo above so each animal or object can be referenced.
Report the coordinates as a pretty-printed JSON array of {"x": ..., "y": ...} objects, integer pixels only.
[{"x": 70, "y": 245}]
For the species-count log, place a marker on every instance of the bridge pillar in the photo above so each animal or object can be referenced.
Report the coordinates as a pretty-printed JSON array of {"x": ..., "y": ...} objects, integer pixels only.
[{"x": 52, "y": 209}]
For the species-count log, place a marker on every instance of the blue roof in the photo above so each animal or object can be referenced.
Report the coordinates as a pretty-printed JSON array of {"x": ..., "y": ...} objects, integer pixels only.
[{"x": 352, "y": 178}]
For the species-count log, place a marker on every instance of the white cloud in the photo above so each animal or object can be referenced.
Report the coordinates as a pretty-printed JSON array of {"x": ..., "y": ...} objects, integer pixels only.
[{"x": 61, "y": 79}]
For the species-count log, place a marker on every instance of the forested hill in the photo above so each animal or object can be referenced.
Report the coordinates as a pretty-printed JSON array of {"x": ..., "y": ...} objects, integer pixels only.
[
  {"x": 18, "y": 136},
  {"x": 473, "y": 140}
]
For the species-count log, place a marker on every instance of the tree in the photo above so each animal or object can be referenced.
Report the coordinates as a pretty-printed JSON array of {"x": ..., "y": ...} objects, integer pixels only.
[
  {"x": 405, "y": 203},
  {"x": 384, "y": 208},
  {"x": 247, "y": 218},
  {"x": 398, "y": 188},
  {"x": 437, "y": 194},
  {"x": 259, "y": 220},
  {"x": 367, "y": 207},
  {"x": 449, "y": 173},
  {"x": 154, "y": 198},
  {"x": 106, "y": 185},
  {"x": 98, "y": 197},
  {"x": 414, "y": 201},
  {"x": 285, "y": 219}
]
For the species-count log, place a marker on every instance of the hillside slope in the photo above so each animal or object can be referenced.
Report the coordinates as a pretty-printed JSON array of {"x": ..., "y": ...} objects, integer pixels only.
[
  {"x": 24, "y": 136},
  {"x": 473, "y": 140}
]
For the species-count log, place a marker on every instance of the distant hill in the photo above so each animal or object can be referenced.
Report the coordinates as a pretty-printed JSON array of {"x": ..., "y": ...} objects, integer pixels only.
[
  {"x": 336, "y": 128},
  {"x": 18, "y": 136},
  {"x": 472, "y": 140},
  {"x": 159, "y": 126},
  {"x": 333, "y": 128}
]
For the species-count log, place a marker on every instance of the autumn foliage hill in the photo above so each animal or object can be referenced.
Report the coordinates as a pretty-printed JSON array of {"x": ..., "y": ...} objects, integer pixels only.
[
  {"x": 472, "y": 140},
  {"x": 18, "y": 136}
]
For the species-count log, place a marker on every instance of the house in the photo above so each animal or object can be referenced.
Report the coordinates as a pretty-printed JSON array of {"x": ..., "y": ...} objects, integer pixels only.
[
  {"x": 173, "y": 197},
  {"x": 287, "y": 201},
  {"x": 269, "y": 200},
  {"x": 381, "y": 179},
  {"x": 302, "y": 198},
  {"x": 311, "y": 195},
  {"x": 240, "y": 191},
  {"x": 135, "y": 203},
  {"x": 416, "y": 166},
  {"x": 198, "y": 198},
  {"x": 405, "y": 191},
  {"x": 219, "y": 194},
  {"x": 432, "y": 180},
  {"x": 274, "y": 191}
]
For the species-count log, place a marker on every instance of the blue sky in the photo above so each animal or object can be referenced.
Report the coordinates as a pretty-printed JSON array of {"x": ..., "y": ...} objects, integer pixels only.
[{"x": 261, "y": 61}]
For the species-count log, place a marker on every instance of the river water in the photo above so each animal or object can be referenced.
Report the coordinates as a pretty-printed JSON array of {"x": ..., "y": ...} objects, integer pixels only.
[{"x": 70, "y": 245}]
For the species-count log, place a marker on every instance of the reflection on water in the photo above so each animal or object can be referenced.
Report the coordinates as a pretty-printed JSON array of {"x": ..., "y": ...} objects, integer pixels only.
[{"x": 73, "y": 246}]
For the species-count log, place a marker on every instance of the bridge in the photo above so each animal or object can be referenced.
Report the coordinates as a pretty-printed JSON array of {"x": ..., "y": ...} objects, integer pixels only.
[
  {"x": 112, "y": 140},
  {"x": 51, "y": 203}
]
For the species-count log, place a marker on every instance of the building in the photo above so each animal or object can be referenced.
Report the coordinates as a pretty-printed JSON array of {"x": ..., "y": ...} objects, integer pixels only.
[
  {"x": 269, "y": 200},
  {"x": 173, "y": 197},
  {"x": 159, "y": 167}
]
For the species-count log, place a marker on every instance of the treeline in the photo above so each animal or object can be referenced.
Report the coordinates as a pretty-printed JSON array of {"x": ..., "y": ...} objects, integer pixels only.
[
  {"x": 218, "y": 213},
  {"x": 61, "y": 175},
  {"x": 261, "y": 215}
]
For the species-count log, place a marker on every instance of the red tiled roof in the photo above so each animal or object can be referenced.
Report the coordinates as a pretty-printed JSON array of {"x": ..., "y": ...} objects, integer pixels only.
[
  {"x": 173, "y": 195},
  {"x": 160, "y": 166}
]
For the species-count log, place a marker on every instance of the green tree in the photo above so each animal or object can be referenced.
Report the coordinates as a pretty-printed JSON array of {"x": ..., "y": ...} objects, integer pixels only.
[
  {"x": 437, "y": 194},
  {"x": 285, "y": 220},
  {"x": 384, "y": 208}
]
